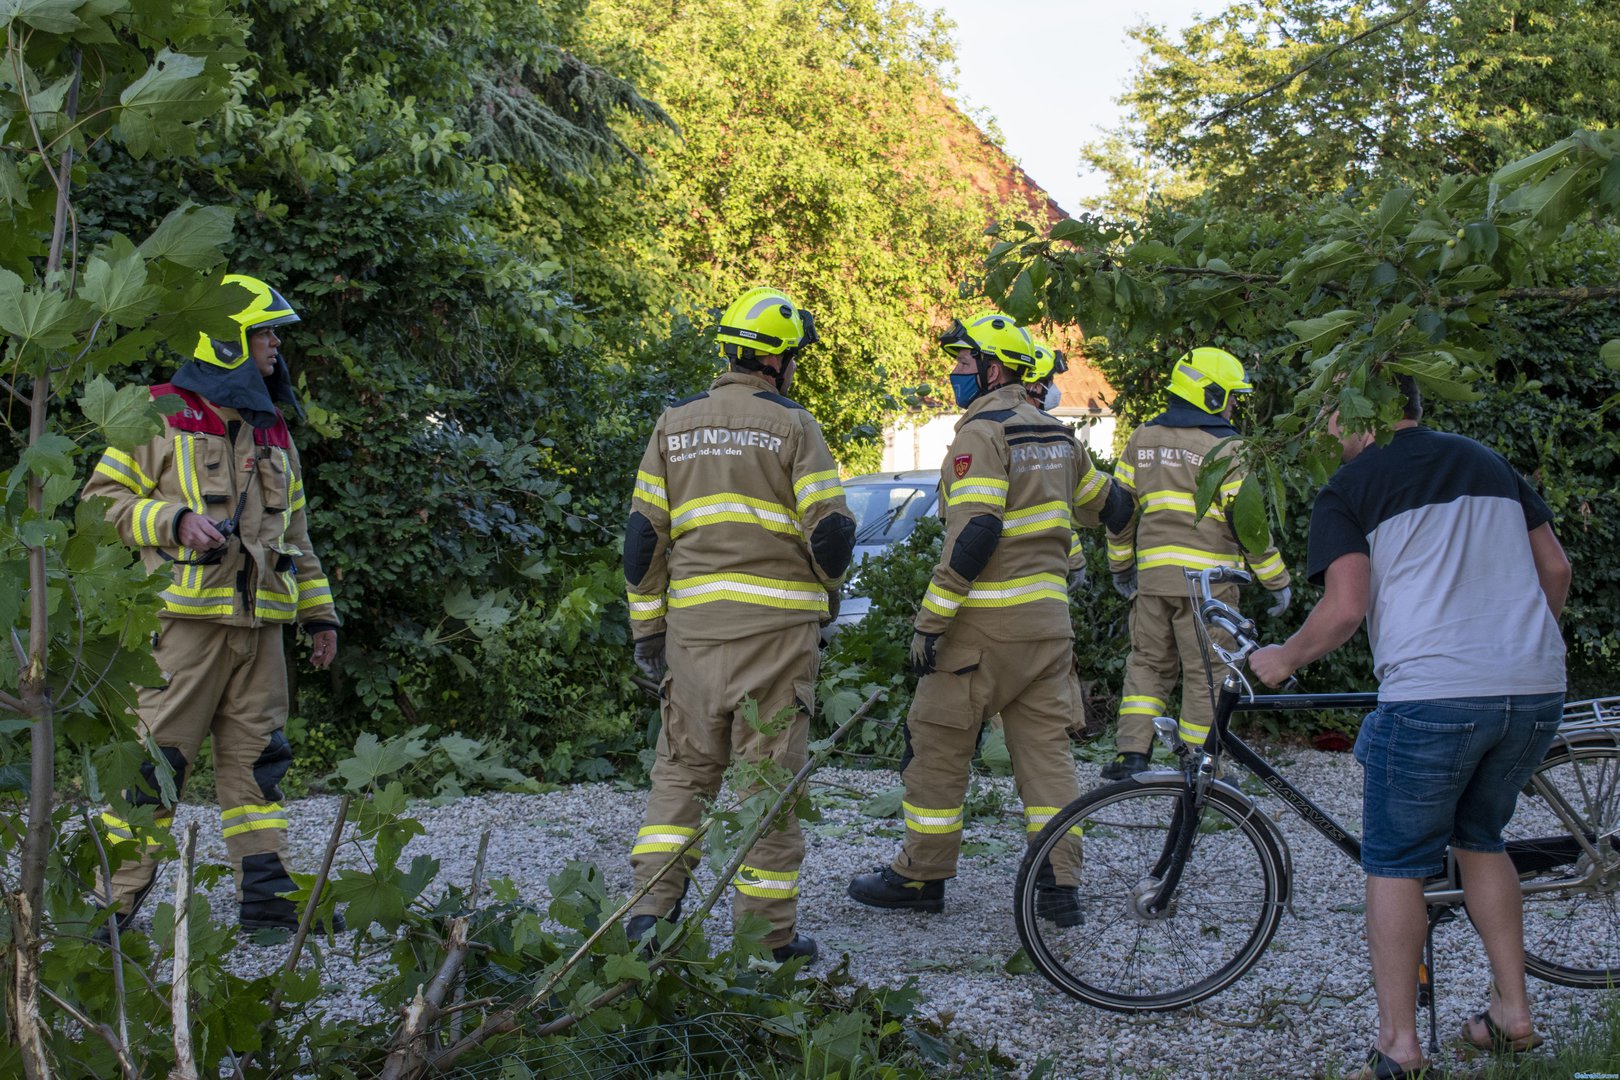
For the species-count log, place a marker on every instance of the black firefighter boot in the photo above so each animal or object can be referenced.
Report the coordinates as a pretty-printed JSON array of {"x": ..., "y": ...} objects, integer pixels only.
[
  {"x": 1125, "y": 765},
  {"x": 282, "y": 914},
  {"x": 883, "y": 888},
  {"x": 637, "y": 927},
  {"x": 1056, "y": 903},
  {"x": 264, "y": 879},
  {"x": 802, "y": 946}
]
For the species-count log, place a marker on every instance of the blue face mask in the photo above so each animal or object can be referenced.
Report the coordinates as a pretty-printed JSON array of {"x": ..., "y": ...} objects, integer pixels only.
[{"x": 966, "y": 388}]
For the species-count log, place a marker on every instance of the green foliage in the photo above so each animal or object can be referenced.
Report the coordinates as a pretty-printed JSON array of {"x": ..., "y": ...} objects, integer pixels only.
[
  {"x": 1406, "y": 204},
  {"x": 1385, "y": 93},
  {"x": 817, "y": 154},
  {"x": 700, "y": 1014}
]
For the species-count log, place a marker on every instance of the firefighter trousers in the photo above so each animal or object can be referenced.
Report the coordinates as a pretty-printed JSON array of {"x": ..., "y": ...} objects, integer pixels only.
[
  {"x": 705, "y": 726},
  {"x": 1031, "y": 683},
  {"x": 1164, "y": 647},
  {"x": 228, "y": 682}
]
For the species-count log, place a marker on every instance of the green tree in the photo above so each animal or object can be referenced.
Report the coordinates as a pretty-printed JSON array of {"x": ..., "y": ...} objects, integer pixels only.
[
  {"x": 1325, "y": 303},
  {"x": 1270, "y": 100},
  {"x": 817, "y": 153},
  {"x": 86, "y": 82}
]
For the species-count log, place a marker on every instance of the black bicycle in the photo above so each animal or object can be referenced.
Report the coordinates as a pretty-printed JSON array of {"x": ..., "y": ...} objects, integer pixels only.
[{"x": 1184, "y": 878}]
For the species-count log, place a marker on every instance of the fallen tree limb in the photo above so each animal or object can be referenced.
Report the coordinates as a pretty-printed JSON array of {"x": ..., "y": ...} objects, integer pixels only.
[{"x": 510, "y": 1020}]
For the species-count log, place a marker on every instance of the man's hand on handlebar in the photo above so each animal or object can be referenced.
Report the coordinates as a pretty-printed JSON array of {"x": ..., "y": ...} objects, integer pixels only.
[{"x": 1270, "y": 665}]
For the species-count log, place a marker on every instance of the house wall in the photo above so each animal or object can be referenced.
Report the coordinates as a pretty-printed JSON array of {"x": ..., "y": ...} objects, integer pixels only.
[{"x": 909, "y": 445}]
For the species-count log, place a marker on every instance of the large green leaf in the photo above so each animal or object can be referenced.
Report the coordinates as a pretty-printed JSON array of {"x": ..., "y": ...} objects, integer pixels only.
[
  {"x": 1248, "y": 516},
  {"x": 1609, "y": 184},
  {"x": 1210, "y": 477},
  {"x": 192, "y": 236},
  {"x": 202, "y": 306},
  {"x": 41, "y": 317},
  {"x": 125, "y": 416},
  {"x": 1610, "y": 354},
  {"x": 115, "y": 284},
  {"x": 1324, "y": 330},
  {"x": 51, "y": 16},
  {"x": 12, "y": 188},
  {"x": 49, "y": 455},
  {"x": 172, "y": 92}
]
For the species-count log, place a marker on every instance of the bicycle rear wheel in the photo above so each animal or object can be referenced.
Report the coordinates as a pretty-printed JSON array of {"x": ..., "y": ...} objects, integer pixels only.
[
  {"x": 1124, "y": 957},
  {"x": 1572, "y": 935}
]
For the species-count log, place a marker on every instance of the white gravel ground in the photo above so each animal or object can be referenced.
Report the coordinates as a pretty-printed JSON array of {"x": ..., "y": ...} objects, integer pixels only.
[{"x": 1305, "y": 1009}]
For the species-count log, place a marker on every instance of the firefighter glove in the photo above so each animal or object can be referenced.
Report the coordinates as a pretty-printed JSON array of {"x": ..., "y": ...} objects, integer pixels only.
[
  {"x": 834, "y": 600},
  {"x": 1125, "y": 582},
  {"x": 1077, "y": 582},
  {"x": 650, "y": 657},
  {"x": 1280, "y": 600},
  {"x": 924, "y": 648}
]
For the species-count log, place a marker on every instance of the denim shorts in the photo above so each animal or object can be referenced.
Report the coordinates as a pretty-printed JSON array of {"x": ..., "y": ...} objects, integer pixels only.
[{"x": 1446, "y": 772}]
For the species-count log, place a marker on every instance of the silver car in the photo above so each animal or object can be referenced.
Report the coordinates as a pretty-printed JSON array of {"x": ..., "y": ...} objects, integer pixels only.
[{"x": 887, "y": 506}]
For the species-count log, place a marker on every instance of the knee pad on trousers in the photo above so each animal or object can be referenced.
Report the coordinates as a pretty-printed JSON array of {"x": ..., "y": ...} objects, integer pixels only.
[
  {"x": 905, "y": 755},
  {"x": 146, "y": 793},
  {"x": 273, "y": 764}
]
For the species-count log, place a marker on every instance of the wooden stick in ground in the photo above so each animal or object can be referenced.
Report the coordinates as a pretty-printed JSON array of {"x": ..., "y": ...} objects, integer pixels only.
[
  {"x": 185, "y": 1061},
  {"x": 472, "y": 905},
  {"x": 112, "y": 931},
  {"x": 508, "y": 1020},
  {"x": 22, "y": 992}
]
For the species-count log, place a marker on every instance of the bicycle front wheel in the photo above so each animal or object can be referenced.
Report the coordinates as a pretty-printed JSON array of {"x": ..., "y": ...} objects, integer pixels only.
[
  {"x": 1571, "y": 931},
  {"x": 1116, "y": 951}
]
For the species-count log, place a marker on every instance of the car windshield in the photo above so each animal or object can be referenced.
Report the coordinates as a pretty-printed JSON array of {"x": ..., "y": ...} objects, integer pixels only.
[{"x": 885, "y": 513}]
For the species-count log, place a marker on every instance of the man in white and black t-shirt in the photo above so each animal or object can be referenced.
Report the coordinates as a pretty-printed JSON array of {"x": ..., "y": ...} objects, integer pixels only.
[{"x": 1450, "y": 557}]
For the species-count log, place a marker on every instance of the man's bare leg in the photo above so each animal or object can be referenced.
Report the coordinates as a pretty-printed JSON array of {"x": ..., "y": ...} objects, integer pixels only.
[
  {"x": 1396, "y": 924},
  {"x": 1496, "y": 906}
]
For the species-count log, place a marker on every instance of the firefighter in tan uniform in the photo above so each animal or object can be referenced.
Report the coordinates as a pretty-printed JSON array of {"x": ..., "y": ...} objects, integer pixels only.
[
  {"x": 1149, "y": 557},
  {"x": 993, "y": 634},
  {"x": 218, "y": 498},
  {"x": 737, "y": 539}
]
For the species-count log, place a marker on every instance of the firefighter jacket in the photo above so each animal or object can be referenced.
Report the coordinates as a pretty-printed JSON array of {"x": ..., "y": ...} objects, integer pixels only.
[
  {"x": 1160, "y": 466},
  {"x": 737, "y": 522},
  {"x": 210, "y": 461},
  {"x": 1014, "y": 485}
]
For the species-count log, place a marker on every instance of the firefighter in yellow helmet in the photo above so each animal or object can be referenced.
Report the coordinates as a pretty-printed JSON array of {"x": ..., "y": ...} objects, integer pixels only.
[
  {"x": 737, "y": 541},
  {"x": 993, "y": 633},
  {"x": 218, "y": 498},
  {"x": 1149, "y": 556}
]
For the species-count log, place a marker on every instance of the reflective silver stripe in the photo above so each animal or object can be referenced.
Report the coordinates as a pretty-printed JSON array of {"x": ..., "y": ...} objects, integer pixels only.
[
  {"x": 1016, "y": 590},
  {"x": 713, "y": 509},
  {"x": 733, "y": 585}
]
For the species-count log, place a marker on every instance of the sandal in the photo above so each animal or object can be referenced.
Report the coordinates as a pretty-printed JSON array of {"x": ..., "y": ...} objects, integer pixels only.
[
  {"x": 1380, "y": 1066},
  {"x": 1496, "y": 1040}
]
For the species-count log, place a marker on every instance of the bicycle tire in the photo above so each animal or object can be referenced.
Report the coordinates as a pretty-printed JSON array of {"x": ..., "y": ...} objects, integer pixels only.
[
  {"x": 1571, "y": 936},
  {"x": 1224, "y": 913}
]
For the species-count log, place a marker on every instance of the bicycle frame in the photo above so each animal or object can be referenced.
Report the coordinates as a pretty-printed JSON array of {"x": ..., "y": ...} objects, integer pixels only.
[{"x": 1235, "y": 696}]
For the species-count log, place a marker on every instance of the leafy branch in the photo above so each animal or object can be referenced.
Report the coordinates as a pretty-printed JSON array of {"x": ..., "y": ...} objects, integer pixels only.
[{"x": 1326, "y": 54}]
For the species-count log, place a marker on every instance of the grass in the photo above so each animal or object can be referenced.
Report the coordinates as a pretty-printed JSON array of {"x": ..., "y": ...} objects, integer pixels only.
[{"x": 1589, "y": 1047}]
